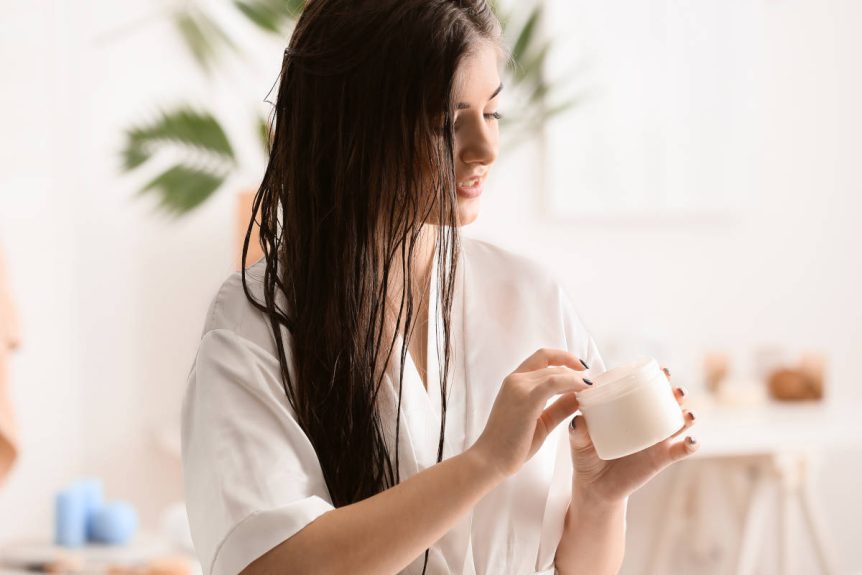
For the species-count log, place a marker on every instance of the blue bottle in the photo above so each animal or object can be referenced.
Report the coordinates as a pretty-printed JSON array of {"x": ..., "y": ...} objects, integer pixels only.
[
  {"x": 114, "y": 523},
  {"x": 70, "y": 518}
]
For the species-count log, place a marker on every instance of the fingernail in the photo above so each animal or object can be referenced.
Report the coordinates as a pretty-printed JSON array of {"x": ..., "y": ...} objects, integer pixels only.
[
  {"x": 682, "y": 391},
  {"x": 691, "y": 415},
  {"x": 573, "y": 423},
  {"x": 666, "y": 371},
  {"x": 584, "y": 363},
  {"x": 587, "y": 381},
  {"x": 691, "y": 440}
]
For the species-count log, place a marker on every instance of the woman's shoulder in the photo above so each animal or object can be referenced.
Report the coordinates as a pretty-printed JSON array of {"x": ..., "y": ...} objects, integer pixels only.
[
  {"x": 531, "y": 293},
  {"x": 230, "y": 308},
  {"x": 508, "y": 268}
]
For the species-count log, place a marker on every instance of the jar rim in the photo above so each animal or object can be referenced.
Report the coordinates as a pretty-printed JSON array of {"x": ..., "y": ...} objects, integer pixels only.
[{"x": 619, "y": 380}]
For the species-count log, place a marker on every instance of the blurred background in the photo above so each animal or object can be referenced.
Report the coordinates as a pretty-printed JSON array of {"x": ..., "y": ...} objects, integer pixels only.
[{"x": 691, "y": 170}]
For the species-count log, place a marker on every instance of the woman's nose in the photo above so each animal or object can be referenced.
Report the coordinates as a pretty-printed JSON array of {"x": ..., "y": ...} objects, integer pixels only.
[{"x": 479, "y": 146}]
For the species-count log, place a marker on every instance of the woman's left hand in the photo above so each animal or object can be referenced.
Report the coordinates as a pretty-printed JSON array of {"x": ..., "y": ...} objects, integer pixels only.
[{"x": 616, "y": 479}]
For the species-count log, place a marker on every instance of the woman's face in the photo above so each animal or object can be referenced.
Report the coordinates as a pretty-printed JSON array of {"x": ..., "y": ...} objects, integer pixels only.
[{"x": 476, "y": 127}]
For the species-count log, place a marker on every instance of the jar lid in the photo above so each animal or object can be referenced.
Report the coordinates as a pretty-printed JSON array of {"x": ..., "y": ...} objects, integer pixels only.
[{"x": 619, "y": 380}]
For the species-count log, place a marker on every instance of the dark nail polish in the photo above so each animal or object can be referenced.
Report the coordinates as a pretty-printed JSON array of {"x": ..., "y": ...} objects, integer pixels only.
[
  {"x": 573, "y": 423},
  {"x": 584, "y": 363},
  {"x": 691, "y": 440},
  {"x": 587, "y": 381},
  {"x": 666, "y": 371},
  {"x": 691, "y": 415},
  {"x": 681, "y": 391}
]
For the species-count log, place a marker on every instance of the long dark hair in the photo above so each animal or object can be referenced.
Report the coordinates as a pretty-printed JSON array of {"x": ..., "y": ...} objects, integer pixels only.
[{"x": 362, "y": 155}]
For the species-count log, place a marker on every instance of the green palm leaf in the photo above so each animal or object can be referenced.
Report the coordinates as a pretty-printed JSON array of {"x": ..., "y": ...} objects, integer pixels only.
[
  {"x": 525, "y": 36},
  {"x": 263, "y": 134},
  {"x": 270, "y": 16},
  {"x": 202, "y": 152},
  {"x": 202, "y": 36},
  {"x": 184, "y": 126},
  {"x": 532, "y": 65},
  {"x": 532, "y": 92},
  {"x": 182, "y": 188}
]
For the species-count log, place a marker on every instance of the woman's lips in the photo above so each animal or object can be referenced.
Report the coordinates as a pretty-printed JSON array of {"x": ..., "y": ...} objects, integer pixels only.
[{"x": 472, "y": 191}]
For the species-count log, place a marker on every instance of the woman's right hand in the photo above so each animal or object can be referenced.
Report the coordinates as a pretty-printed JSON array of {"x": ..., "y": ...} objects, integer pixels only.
[{"x": 519, "y": 422}]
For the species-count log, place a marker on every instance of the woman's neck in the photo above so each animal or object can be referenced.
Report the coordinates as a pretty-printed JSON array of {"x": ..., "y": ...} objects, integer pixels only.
[
  {"x": 424, "y": 257},
  {"x": 420, "y": 280},
  {"x": 420, "y": 275}
]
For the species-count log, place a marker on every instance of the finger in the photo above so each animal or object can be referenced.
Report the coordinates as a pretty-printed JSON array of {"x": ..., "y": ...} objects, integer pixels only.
[
  {"x": 546, "y": 372},
  {"x": 682, "y": 449},
  {"x": 549, "y": 356},
  {"x": 579, "y": 435},
  {"x": 551, "y": 417},
  {"x": 680, "y": 394},
  {"x": 666, "y": 452},
  {"x": 557, "y": 382},
  {"x": 666, "y": 372},
  {"x": 563, "y": 407},
  {"x": 689, "y": 417}
]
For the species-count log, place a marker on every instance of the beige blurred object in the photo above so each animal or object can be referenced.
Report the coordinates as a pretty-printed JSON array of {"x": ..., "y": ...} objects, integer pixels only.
[
  {"x": 715, "y": 367},
  {"x": 727, "y": 386},
  {"x": 177, "y": 565},
  {"x": 10, "y": 339},
  {"x": 244, "y": 201},
  {"x": 802, "y": 381},
  {"x": 169, "y": 566},
  {"x": 741, "y": 392},
  {"x": 813, "y": 365}
]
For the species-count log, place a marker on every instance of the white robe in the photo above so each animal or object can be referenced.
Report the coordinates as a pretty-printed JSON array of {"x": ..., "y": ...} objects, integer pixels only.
[{"x": 251, "y": 475}]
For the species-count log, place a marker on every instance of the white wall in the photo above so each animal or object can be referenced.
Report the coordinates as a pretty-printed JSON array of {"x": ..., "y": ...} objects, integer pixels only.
[
  {"x": 112, "y": 297},
  {"x": 41, "y": 247}
]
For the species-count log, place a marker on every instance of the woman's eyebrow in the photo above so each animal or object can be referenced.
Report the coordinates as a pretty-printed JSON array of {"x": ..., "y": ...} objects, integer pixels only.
[{"x": 464, "y": 106}]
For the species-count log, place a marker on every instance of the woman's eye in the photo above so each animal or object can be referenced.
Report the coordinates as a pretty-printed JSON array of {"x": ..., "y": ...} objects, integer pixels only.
[{"x": 488, "y": 116}]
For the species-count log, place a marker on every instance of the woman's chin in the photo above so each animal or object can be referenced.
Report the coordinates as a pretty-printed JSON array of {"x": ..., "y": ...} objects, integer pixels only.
[{"x": 468, "y": 211}]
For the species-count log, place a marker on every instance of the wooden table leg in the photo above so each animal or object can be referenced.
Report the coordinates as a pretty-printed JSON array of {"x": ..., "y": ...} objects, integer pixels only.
[
  {"x": 672, "y": 509},
  {"x": 814, "y": 521},
  {"x": 753, "y": 527}
]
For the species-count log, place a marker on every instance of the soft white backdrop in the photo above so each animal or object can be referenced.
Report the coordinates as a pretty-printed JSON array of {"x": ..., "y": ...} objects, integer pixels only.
[{"x": 112, "y": 297}]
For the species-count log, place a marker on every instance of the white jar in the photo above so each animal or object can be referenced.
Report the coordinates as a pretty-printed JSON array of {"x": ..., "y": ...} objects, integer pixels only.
[{"x": 630, "y": 408}]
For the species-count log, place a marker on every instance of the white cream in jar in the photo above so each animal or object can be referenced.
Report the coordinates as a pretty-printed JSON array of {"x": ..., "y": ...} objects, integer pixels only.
[{"x": 630, "y": 408}]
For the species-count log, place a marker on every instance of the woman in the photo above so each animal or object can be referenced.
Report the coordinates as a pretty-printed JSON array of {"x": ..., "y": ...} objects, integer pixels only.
[{"x": 367, "y": 304}]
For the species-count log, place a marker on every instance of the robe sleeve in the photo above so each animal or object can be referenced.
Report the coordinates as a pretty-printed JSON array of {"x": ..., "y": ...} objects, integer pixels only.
[
  {"x": 579, "y": 342},
  {"x": 251, "y": 475}
]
